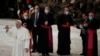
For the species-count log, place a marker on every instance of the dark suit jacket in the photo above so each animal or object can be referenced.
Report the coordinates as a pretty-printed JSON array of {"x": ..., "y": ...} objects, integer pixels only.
[
  {"x": 85, "y": 28},
  {"x": 28, "y": 23},
  {"x": 39, "y": 21}
]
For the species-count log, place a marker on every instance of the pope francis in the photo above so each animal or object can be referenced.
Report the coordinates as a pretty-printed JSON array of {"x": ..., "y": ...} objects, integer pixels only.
[{"x": 21, "y": 38}]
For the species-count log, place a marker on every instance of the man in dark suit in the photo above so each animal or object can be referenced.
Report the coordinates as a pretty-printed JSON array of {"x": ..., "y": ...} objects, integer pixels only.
[
  {"x": 83, "y": 26},
  {"x": 36, "y": 18}
]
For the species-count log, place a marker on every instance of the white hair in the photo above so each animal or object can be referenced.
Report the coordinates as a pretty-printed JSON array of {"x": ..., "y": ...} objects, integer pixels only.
[{"x": 19, "y": 21}]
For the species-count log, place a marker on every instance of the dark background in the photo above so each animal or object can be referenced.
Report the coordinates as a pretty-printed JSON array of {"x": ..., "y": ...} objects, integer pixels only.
[{"x": 8, "y": 8}]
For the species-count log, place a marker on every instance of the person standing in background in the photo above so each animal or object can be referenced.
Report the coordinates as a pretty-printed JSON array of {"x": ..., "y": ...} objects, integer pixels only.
[
  {"x": 64, "y": 22},
  {"x": 45, "y": 41},
  {"x": 26, "y": 22},
  {"x": 36, "y": 18},
  {"x": 84, "y": 35},
  {"x": 92, "y": 49}
]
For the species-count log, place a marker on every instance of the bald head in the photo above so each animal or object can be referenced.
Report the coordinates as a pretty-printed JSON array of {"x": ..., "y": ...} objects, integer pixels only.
[{"x": 18, "y": 23}]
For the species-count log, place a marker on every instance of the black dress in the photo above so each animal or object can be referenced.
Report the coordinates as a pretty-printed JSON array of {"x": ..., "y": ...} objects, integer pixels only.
[
  {"x": 64, "y": 34},
  {"x": 45, "y": 42}
]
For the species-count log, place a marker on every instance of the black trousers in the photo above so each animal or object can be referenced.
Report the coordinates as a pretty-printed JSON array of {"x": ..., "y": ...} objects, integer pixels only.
[
  {"x": 35, "y": 34},
  {"x": 64, "y": 42},
  {"x": 84, "y": 43},
  {"x": 43, "y": 41}
]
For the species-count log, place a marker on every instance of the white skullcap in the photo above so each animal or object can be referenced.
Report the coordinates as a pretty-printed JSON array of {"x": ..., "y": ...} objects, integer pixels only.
[{"x": 19, "y": 21}]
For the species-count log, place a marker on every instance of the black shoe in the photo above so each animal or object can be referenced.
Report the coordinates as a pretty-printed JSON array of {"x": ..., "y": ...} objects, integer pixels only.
[
  {"x": 63, "y": 53},
  {"x": 82, "y": 54},
  {"x": 43, "y": 54},
  {"x": 68, "y": 54},
  {"x": 47, "y": 54}
]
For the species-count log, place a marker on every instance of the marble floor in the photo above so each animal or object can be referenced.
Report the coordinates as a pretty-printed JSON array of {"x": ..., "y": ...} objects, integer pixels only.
[{"x": 6, "y": 41}]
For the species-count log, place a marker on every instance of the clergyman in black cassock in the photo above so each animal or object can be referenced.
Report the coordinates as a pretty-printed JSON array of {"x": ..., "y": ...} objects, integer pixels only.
[
  {"x": 93, "y": 25},
  {"x": 64, "y": 22},
  {"x": 45, "y": 41}
]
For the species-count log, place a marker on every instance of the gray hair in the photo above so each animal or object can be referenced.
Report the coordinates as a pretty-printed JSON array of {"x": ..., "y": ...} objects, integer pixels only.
[{"x": 19, "y": 21}]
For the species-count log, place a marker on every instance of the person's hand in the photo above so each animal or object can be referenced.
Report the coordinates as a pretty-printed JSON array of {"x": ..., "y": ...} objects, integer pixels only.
[
  {"x": 68, "y": 24},
  {"x": 27, "y": 49},
  {"x": 44, "y": 26},
  {"x": 18, "y": 12},
  {"x": 35, "y": 25},
  {"x": 46, "y": 22},
  {"x": 64, "y": 25},
  {"x": 85, "y": 24},
  {"x": 24, "y": 24},
  {"x": 7, "y": 28}
]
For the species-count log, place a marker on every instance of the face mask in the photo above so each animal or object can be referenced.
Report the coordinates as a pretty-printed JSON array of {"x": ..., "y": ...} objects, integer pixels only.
[
  {"x": 67, "y": 12},
  {"x": 46, "y": 11},
  {"x": 25, "y": 17},
  {"x": 90, "y": 17},
  {"x": 29, "y": 6}
]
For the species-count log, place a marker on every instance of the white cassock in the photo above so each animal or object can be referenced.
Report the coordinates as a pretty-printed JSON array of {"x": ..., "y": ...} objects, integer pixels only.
[{"x": 21, "y": 41}]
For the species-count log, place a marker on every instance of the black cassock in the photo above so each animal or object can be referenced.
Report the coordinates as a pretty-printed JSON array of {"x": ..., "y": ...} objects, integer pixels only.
[
  {"x": 92, "y": 49},
  {"x": 45, "y": 42},
  {"x": 64, "y": 34}
]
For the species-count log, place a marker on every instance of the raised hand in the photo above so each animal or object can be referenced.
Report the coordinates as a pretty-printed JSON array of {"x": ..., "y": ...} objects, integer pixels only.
[
  {"x": 7, "y": 28},
  {"x": 46, "y": 22},
  {"x": 85, "y": 24},
  {"x": 24, "y": 25}
]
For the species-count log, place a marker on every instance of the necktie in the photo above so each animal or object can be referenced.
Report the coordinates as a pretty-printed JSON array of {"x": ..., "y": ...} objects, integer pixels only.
[{"x": 36, "y": 18}]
